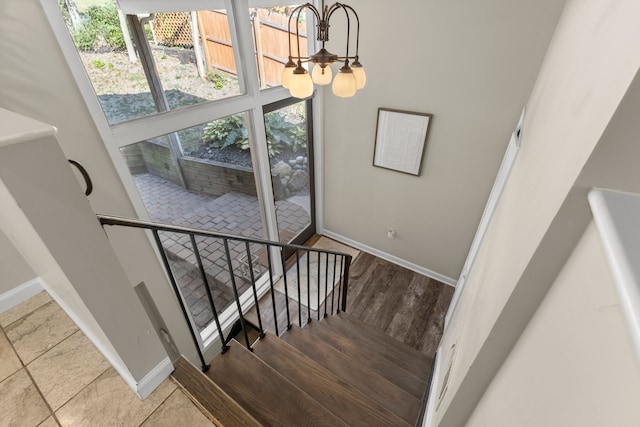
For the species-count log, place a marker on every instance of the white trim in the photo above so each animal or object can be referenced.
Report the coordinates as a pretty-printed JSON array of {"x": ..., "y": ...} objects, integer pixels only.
[
  {"x": 317, "y": 106},
  {"x": 615, "y": 214},
  {"x": 20, "y": 294},
  {"x": 391, "y": 258},
  {"x": 492, "y": 202},
  {"x": 432, "y": 397},
  {"x": 209, "y": 335},
  {"x": 154, "y": 378}
]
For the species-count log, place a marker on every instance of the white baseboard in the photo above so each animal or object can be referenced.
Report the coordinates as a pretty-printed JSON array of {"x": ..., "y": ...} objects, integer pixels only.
[
  {"x": 391, "y": 258},
  {"x": 150, "y": 381},
  {"x": 20, "y": 294},
  {"x": 153, "y": 379},
  {"x": 431, "y": 396}
]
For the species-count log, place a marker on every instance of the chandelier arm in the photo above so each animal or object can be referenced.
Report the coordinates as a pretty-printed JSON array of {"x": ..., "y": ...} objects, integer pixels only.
[
  {"x": 346, "y": 6},
  {"x": 289, "y": 24},
  {"x": 299, "y": 10},
  {"x": 346, "y": 12},
  {"x": 298, "y": 32}
]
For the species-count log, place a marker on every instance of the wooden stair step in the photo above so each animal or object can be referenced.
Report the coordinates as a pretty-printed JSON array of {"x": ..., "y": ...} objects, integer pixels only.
[
  {"x": 368, "y": 382},
  {"x": 366, "y": 355},
  {"x": 220, "y": 407},
  {"x": 399, "y": 353},
  {"x": 266, "y": 313},
  {"x": 345, "y": 401},
  {"x": 264, "y": 393}
]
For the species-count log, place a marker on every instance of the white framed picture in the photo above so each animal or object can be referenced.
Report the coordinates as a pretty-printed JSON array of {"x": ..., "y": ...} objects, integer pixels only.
[{"x": 401, "y": 138}]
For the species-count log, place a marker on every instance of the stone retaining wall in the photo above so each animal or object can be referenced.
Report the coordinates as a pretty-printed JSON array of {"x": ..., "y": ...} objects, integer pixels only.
[
  {"x": 201, "y": 176},
  {"x": 157, "y": 159},
  {"x": 213, "y": 178},
  {"x": 216, "y": 179}
]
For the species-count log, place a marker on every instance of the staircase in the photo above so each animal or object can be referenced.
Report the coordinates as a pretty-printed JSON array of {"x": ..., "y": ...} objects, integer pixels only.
[
  {"x": 333, "y": 372},
  {"x": 329, "y": 370}
]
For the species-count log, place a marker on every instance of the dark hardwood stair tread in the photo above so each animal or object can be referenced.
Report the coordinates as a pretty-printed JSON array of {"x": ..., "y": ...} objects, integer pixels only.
[
  {"x": 368, "y": 382},
  {"x": 223, "y": 410},
  {"x": 401, "y": 354},
  {"x": 264, "y": 393},
  {"x": 345, "y": 401},
  {"x": 366, "y": 355},
  {"x": 266, "y": 313}
]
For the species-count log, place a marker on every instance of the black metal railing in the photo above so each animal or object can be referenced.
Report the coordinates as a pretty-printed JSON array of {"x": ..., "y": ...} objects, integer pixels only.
[{"x": 253, "y": 257}]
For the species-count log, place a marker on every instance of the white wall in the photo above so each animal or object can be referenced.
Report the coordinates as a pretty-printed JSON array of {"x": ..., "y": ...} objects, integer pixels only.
[
  {"x": 589, "y": 67},
  {"x": 472, "y": 65},
  {"x": 35, "y": 81},
  {"x": 45, "y": 214},
  {"x": 14, "y": 270},
  {"x": 574, "y": 364}
]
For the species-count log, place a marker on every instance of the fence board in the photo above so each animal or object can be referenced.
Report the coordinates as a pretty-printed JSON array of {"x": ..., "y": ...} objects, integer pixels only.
[{"x": 214, "y": 29}]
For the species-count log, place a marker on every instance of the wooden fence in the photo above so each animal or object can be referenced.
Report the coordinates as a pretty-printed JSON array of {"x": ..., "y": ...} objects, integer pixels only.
[{"x": 271, "y": 40}]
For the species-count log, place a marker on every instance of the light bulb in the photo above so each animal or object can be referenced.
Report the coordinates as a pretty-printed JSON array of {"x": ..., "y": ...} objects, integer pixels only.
[
  {"x": 301, "y": 85},
  {"x": 287, "y": 72},
  {"x": 360, "y": 75},
  {"x": 345, "y": 84},
  {"x": 322, "y": 76}
]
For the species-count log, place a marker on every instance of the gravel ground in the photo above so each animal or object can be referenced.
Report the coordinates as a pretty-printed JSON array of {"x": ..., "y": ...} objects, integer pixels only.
[{"x": 124, "y": 94}]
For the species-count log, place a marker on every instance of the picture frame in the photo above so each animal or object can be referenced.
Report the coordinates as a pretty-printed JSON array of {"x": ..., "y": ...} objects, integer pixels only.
[{"x": 401, "y": 139}]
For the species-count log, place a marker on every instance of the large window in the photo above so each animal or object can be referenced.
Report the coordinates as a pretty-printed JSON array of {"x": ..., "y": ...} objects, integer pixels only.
[
  {"x": 141, "y": 64},
  {"x": 187, "y": 97}
]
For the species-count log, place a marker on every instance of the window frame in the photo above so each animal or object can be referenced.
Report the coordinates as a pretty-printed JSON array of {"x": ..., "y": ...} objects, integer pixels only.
[{"x": 252, "y": 101}]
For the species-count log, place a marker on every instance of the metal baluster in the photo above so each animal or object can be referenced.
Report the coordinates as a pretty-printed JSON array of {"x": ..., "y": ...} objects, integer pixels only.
[
  {"x": 345, "y": 282},
  {"x": 172, "y": 279},
  {"x": 308, "y": 288},
  {"x": 203, "y": 274},
  {"x": 273, "y": 295},
  {"x": 235, "y": 293},
  {"x": 326, "y": 281},
  {"x": 299, "y": 294},
  {"x": 318, "y": 285},
  {"x": 333, "y": 281},
  {"x": 340, "y": 283},
  {"x": 253, "y": 286},
  {"x": 286, "y": 287}
]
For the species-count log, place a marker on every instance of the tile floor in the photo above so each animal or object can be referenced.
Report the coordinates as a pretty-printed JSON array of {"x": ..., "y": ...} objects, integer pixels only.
[{"x": 52, "y": 375}]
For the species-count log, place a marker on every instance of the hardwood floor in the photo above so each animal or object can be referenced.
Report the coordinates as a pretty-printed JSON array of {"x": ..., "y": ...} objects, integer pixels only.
[
  {"x": 347, "y": 369},
  {"x": 405, "y": 305}
]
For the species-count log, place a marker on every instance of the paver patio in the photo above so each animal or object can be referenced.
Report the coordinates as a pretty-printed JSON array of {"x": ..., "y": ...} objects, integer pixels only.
[{"x": 231, "y": 213}]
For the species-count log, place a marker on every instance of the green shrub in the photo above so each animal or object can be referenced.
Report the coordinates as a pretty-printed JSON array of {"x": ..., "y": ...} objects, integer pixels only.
[
  {"x": 101, "y": 29},
  {"x": 281, "y": 133},
  {"x": 216, "y": 78}
]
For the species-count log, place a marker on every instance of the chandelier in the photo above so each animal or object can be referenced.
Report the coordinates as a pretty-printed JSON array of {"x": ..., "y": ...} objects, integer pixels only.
[{"x": 351, "y": 76}]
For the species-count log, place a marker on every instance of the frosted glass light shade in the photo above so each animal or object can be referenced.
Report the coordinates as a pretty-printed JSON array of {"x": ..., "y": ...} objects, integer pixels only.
[
  {"x": 322, "y": 76},
  {"x": 345, "y": 84},
  {"x": 301, "y": 85},
  {"x": 360, "y": 75},
  {"x": 287, "y": 72}
]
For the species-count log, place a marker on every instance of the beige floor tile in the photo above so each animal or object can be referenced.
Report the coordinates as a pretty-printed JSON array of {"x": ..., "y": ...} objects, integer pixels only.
[
  {"x": 67, "y": 368},
  {"x": 108, "y": 401},
  {"x": 24, "y": 308},
  {"x": 49, "y": 422},
  {"x": 9, "y": 362},
  {"x": 20, "y": 403},
  {"x": 39, "y": 331},
  {"x": 177, "y": 410}
]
